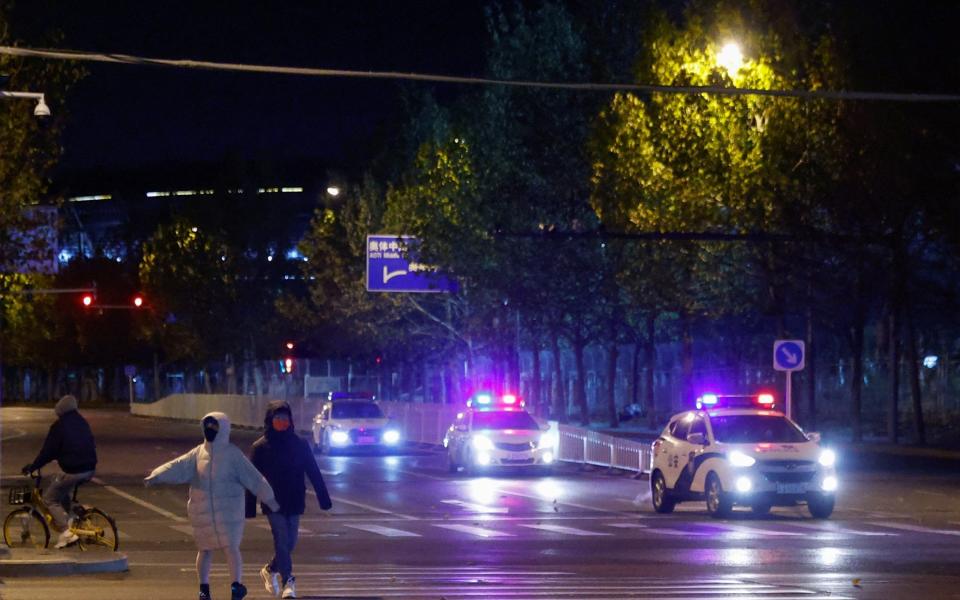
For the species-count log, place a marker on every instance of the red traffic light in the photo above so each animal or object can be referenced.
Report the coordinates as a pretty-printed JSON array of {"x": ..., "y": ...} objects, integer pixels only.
[
  {"x": 87, "y": 300},
  {"x": 138, "y": 301}
]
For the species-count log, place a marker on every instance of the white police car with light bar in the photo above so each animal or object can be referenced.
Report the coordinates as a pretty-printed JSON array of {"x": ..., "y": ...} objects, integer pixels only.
[
  {"x": 737, "y": 450},
  {"x": 496, "y": 431}
]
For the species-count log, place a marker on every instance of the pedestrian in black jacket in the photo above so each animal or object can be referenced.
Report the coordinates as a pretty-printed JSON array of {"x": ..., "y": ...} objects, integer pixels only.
[
  {"x": 284, "y": 459},
  {"x": 69, "y": 442}
]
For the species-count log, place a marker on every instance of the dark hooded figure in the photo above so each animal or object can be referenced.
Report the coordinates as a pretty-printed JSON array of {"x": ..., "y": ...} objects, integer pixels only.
[{"x": 284, "y": 459}]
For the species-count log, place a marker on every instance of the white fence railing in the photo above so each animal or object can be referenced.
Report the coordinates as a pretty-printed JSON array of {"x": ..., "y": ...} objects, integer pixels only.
[{"x": 421, "y": 423}]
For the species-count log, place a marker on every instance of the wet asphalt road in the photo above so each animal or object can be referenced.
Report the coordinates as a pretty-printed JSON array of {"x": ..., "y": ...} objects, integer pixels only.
[{"x": 402, "y": 527}]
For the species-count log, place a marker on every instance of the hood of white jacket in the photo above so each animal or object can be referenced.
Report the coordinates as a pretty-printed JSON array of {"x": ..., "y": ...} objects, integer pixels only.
[{"x": 223, "y": 436}]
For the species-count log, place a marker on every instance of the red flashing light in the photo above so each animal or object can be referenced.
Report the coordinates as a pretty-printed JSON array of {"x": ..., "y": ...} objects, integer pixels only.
[
  {"x": 509, "y": 399},
  {"x": 765, "y": 399}
]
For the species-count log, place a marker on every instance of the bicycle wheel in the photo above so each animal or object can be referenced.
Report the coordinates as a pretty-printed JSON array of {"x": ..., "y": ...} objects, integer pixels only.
[
  {"x": 96, "y": 530},
  {"x": 25, "y": 528}
]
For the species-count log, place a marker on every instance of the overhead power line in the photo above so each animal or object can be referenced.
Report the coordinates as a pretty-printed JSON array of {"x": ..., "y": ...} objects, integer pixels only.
[{"x": 125, "y": 59}]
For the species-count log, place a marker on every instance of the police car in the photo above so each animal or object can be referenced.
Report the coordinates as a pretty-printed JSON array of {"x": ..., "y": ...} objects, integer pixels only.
[
  {"x": 352, "y": 420},
  {"x": 496, "y": 431},
  {"x": 738, "y": 450}
]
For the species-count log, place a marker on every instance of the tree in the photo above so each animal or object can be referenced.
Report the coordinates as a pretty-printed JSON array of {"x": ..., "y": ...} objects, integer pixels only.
[{"x": 712, "y": 163}]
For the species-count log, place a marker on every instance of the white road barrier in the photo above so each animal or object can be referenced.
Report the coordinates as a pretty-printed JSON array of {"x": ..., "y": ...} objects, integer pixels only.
[{"x": 420, "y": 423}]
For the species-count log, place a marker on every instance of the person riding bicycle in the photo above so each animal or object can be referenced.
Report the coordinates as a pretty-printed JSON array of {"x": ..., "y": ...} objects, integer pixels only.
[{"x": 70, "y": 442}]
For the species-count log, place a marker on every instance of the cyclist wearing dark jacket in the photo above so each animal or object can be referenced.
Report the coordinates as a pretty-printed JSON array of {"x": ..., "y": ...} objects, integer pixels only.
[
  {"x": 284, "y": 458},
  {"x": 69, "y": 442}
]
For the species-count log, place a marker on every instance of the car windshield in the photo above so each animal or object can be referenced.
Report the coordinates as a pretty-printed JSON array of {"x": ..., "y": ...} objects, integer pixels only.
[
  {"x": 748, "y": 429},
  {"x": 356, "y": 410},
  {"x": 504, "y": 420}
]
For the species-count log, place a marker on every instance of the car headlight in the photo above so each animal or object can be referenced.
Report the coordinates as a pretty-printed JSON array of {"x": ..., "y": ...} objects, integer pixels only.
[
  {"x": 739, "y": 459},
  {"x": 391, "y": 436},
  {"x": 828, "y": 458},
  {"x": 339, "y": 437},
  {"x": 829, "y": 484},
  {"x": 482, "y": 442}
]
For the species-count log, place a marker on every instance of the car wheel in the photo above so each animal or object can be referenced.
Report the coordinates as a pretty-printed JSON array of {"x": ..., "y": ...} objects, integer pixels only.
[
  {"x": 659, "y": 494},
  {"x": 761, "y": 508},
  {"x": 452, "y": 465},
  {"x": 820, "y": 505},
  {"x": 719, "y": 503}
]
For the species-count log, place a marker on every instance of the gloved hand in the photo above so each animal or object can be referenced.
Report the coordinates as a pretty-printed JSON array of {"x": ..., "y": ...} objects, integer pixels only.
[{"x": 27, "y": 469}]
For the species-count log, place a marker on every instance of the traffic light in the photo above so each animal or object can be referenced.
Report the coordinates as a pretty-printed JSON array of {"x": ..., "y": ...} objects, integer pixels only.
[
  {"x": 289, "y": 345},
  {"x": 288, "y": 364},
  {"x": 138, "y": 301},
  {"x": 87, "y": 300}
]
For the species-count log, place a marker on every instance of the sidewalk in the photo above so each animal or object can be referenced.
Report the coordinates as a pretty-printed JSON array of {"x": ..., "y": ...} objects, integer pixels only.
[{"x": 20, "y": 562}]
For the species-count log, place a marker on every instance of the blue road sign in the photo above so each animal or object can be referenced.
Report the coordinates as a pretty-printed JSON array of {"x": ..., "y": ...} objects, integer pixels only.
[
  {"x": 392, "y": 267},
  {"x": 788, "y": 355}
]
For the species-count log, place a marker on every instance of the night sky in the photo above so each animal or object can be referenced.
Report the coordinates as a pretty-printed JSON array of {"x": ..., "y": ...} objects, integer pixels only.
[
  {"x": 130, "y": 117},
  {"x": 127, "y": 117}
]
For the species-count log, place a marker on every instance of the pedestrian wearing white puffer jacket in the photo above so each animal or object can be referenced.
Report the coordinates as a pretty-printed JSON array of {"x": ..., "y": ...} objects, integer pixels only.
[{"x": 218, "y": 473}]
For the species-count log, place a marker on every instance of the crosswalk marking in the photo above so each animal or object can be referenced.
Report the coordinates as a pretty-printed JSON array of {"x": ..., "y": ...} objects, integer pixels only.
[
  {"x": 750, "y": 530},
  {"x": 475, "y": 583},
  {"x": 916, "y": 528},
  {"x": 381, "y": 530},
  {"x": 477, "y": 531},
  {"x": 659, "y": 530},
  {"x": 562, "y": 529},
  {"x": 479, "y": 508},
  {"x": 833, "y": 528}
]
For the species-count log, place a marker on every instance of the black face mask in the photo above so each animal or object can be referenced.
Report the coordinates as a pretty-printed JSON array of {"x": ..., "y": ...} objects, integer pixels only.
[{"x": 210, "y": 429}]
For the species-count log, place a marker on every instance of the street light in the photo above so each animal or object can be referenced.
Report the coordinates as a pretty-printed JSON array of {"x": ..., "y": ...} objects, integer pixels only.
[
  {"x": 730, "y": 58},
  {"x": 40, "y": 110},
  {"x": 333, "y": 191}
]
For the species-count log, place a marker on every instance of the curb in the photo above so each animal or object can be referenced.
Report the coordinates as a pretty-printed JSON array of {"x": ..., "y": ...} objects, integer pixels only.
[{"x": 44, "y": 563}]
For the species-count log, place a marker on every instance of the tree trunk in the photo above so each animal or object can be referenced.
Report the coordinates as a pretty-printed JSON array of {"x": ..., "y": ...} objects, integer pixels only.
[
  {"x": 687, "y": 383},
  {"x": 537, "y": 398},
  {"x": 635, "y": 374},
  {"x": 156, "y": 376},
  {"x": 913, "y": 359},
  {"x": 559, "y": 398},
  {"x": 856, "y": 378},
  {"x": 612, "y": 357},
  {"x": 580, "y": 387},
  {"x": 893, "y": 408},
  {"x": 650, "y": 358},
  {"x": 811, "y": 367}
]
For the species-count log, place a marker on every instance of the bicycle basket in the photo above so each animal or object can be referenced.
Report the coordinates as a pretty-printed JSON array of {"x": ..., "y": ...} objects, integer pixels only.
[{"x": 20, "y": 495}]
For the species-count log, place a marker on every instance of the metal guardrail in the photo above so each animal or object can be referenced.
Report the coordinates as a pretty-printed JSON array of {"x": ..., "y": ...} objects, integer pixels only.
[{"x": 427, "y": 423}]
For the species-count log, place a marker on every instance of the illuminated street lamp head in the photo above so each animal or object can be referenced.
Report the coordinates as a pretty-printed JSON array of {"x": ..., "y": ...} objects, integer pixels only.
[
  {"x": 41, "y": 110},
  {"x": 333, "y": 191},
  {"x": 730, "y": 58}
]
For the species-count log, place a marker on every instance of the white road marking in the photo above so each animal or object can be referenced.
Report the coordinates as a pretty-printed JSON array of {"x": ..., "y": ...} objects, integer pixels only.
[
  {"x": 382, "y": 511},
  {"x": 477, "y": 531},
  {"x": 480, "y": 508},
  {"x": 17, "y": 433},
  {"x": 744, "y": 529},
  {"x": 916, "y": 528},
  {"x": 138, "y": 501},
  {"x": 564, "y": 530},
  {"x": 384, "y": 531},
  {"x": 832, "y": 528},
  {"x": 661, "y": 530}
]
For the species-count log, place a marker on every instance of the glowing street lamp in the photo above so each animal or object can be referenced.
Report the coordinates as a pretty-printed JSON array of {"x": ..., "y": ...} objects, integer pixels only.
[{"x": 730, "y": 58}]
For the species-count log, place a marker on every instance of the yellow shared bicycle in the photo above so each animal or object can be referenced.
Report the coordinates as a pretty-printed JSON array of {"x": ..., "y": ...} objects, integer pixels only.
[{"x": 29, "y": 525}]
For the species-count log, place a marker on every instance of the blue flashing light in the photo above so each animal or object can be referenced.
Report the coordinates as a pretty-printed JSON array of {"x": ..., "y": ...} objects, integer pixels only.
[
  {"x": 706, "y": 400},
  {"x": 484, "y": 399}
]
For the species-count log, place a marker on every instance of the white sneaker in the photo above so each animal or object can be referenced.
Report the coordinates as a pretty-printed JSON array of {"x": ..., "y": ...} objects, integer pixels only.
[
  {"x": 67, "y": 537},
  {"x": 271, "y": 580},
  {"x": 290, "y": 588}
]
